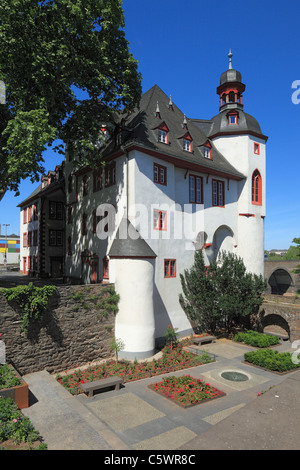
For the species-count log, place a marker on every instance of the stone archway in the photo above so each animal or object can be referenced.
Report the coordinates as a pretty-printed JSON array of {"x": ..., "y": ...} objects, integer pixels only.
[
  {"x": 276, "y": 324},
  {"x": 222, "y": 240},
  {"x": 280, "y": 281}
]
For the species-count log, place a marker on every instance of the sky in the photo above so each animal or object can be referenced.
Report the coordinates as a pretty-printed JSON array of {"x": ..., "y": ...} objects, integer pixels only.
[{"x": 183, "y": 46}]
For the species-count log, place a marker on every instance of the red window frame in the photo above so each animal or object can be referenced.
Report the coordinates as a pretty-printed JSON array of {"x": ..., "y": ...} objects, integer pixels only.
[
  {"x": 110, "y": 175},
  {"x": 234, "y": 115},
  {"x": 162, "y": 220},
  {"x": 158, "y": 170},
  {"x": 193, "y": 182},
  {"x": 97, "y": 179},
  {"x": 256, "y": 148},
  {"x": 85, "y": 181},
  {"x": 105, "y": 267},
  {"x": 219, "y": 193},
  {"x": 256, "y": 188},
  {"x": 169, "y": 268},
  {"x": 29, "y": 213},
  {"x": 25, "y": 240},
  {"x": 96, "y": 220},
  {"x": 84, "y": 224},
  {"x": 29, "y": 239},
  {"x": 35, "y": 238},
  {"x": 206, "y": 147},
  {"x": 164, "y": 132},
  {"x": 25, "y": 216}
]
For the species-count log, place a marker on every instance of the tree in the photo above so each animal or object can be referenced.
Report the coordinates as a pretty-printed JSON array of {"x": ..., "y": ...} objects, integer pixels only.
[
  {"x": 221, "y": 295},
  {"x": 297, "y": 242},
  {"x": 48, "y": 51}
]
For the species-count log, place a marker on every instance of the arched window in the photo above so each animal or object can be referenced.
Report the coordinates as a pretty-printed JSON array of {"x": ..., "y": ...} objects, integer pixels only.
[{"x": 256, "y": 188}]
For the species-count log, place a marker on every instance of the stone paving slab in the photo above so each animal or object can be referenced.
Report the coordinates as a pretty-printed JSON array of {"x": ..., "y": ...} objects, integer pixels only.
[
  {"x": 169, "y": 440},
  {"x": 124, "y": 411}
]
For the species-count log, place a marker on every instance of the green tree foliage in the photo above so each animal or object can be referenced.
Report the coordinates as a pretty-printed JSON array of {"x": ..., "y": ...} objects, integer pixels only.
[
  {"x": 48, "y": 50},
  {"x": 297, "y": 242},
  {"x": 222, "y": 295}
]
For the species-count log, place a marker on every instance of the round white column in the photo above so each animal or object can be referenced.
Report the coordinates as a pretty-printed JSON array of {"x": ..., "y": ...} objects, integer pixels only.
[{"x": 135, "y": 323}]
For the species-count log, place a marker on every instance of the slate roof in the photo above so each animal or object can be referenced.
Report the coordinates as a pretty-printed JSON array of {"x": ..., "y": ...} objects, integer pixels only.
[
  {"x": 39, "y": 191},
  {"x": 246, "y": 124},
  {"x": 128, "y": 243},
  {"x": 140, "y": 129}
]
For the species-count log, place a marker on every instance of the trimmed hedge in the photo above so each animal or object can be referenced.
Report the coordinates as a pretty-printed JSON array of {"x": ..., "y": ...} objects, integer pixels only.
[
  {"x": 258, "y": 340},
  {"x": 271, "y": 359}
]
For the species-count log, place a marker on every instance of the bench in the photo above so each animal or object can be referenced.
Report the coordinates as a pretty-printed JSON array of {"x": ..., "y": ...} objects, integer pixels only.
[
  {"x": 89, "y": 387},
  {"x": 204, "y": 339}
]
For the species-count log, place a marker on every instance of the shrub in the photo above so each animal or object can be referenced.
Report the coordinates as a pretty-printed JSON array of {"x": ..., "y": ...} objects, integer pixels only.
[
  {"x": 7, "y": 377},
  {"x": 32, "y": 301},
  {"x": 253, "y": 338},
  {"x": 271, "y": 359},
  {"x": 14, "y": 425}
]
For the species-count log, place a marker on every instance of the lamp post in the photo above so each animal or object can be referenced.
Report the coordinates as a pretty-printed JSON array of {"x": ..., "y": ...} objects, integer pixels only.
[{"x": 6, "y": 244}]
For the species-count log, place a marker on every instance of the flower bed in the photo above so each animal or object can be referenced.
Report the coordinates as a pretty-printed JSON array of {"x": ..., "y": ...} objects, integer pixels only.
[
  {"x": 186, "y": 391},
  {"x": 259, "y": 340},
  {"x": 271, "y": 360},
  {"x": 172, "y": 359},
  {"x": 16, "y": 430},
  {"x": 13, "y": 386}
]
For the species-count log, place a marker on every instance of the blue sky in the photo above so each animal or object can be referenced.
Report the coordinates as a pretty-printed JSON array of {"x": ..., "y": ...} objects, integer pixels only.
[{"x": 183, "y": 47}]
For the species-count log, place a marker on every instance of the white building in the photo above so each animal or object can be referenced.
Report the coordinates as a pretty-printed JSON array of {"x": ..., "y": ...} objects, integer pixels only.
[
  {"x": 42, "y": 227},
  {"x": 175, "y": 185}
]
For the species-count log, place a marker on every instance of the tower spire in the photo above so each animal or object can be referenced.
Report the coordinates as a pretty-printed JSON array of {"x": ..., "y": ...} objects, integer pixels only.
[{"x": 230, "y": 56}]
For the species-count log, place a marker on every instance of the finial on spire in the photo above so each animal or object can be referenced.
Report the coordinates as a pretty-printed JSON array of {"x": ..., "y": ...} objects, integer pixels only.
[{"x": 230, "y": 55}]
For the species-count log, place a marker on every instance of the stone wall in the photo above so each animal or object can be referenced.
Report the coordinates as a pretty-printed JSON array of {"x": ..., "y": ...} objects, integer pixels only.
[
  {"x": 271, "y": 266},
  {"x": 71, "y": 333},
  {"x": 282, "y": 311}
]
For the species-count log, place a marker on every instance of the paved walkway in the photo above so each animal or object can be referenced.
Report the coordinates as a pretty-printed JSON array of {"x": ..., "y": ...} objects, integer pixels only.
[{"x": 136, "y": 418}]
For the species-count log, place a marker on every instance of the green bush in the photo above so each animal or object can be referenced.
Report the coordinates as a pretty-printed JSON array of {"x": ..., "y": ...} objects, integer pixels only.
[
  {"x": 32, "y": 301},
  {"x": 253, "y": 338},
  {"x": 271, "y": 359},
  {"x": 7, "y": 377},
  {"x": 14, "y": 425}
]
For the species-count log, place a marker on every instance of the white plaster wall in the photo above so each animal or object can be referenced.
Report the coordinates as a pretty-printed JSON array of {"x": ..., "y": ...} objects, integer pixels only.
[
  {"x": 115, "y": 195},
  {"x": 135, "y": 323},
  {"x": 169, "y": 244}
]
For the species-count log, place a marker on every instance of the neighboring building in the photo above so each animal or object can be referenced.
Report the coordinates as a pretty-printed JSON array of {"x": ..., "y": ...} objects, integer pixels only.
[
  {"x": 42, "y": 227},
  {"x": 162, "y": 172},
  {"x": 9, "y": 249}
]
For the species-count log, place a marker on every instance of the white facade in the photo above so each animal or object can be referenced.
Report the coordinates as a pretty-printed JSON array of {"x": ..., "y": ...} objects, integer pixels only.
[{"x": 153, "y": 185}]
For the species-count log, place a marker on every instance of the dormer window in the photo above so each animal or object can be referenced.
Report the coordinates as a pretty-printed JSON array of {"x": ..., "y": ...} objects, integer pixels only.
[
  {"x": 232, "y": 118},
  {"x": 187, "y": 145},
  {"x": 163, "y": 134},
  {"x": 207, "y": 150}
]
